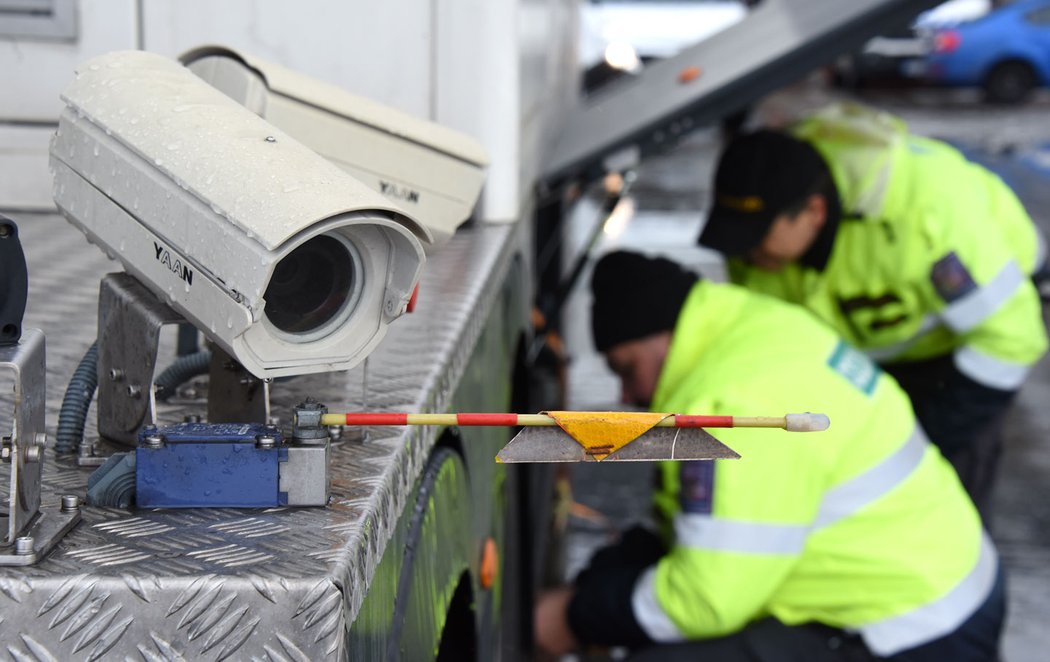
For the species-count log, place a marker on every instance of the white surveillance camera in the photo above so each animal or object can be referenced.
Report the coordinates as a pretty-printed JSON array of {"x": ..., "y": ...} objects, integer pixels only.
[
  {"x": 284, "y": 260},
  {"x": 431, "y": 171}
]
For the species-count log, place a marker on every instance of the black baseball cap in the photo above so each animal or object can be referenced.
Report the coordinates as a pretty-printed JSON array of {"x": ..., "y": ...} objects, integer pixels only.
[{"x": 759, "y": 175}]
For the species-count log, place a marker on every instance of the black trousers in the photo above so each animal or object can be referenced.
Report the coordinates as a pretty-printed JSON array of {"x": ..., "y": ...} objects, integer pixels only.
[
  {"x": 768, "y": 640},
  {"x": 962, "y": 418}
]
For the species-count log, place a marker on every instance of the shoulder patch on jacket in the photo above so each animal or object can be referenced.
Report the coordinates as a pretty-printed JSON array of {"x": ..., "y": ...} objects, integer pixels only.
[
  {"x": 697, "y": 486},
  {"x": 951, "y": 278},
  {"x": 855, "y": 367}
]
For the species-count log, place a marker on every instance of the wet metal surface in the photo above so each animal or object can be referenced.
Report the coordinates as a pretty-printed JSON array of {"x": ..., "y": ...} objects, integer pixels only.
[{"x": 670, "y": 196}]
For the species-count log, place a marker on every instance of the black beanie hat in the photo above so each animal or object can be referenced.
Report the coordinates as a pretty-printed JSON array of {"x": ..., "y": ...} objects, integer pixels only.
[{"x": 636, "y": 296}]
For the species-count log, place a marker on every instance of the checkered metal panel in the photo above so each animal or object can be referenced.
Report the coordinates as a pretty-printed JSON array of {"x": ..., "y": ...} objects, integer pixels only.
[{"x": 276, "y": 584}]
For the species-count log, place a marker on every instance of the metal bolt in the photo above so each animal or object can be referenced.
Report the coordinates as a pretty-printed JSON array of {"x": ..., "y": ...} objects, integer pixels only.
[
  {"x": 5, "y": 449},
  {"x": 308, "y": 414},
  {"x": 5, "y": 231},
  {"x": 306, "y": 423},
  {"x": 24, "y": 545},
  {"x": 335, "y": 432},
  {"x": 265, "y": 441},
  {"x": 116, "y": 374},
  {"x": 271, "y": 139},
  {"x": 70, "y": 503},
  {"x": 35, "y": 451},
  {"x": 134, "y": 391},
  {"x": 154, "y": 441}
]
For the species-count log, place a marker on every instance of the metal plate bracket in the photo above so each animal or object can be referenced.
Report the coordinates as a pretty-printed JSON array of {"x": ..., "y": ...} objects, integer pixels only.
[
  {"x": 50, "y": 525},
  {"x": 129, "y": 321},
  {"x": 29, "y": 533},
  {"x": 234, "y": 394},
  {"x": 24, "y": 448}
]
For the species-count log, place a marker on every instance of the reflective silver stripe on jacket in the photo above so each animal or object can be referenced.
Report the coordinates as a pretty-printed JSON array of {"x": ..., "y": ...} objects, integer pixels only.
[
  {"x": 990, "y": 371},
  {"x": 725, "y": 535},
  {"x": 1040, "y": 250},
  {"x": 940, "y": 617},
  {"x": 962, "y": 315},
  {"x": 710, "y": 533},
  {"x": 650, "y": 616},
  {"x": 970, "y": 310},
  {"x": 849, "y": 497}
]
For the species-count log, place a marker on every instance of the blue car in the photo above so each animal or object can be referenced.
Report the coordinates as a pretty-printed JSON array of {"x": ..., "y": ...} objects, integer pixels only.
[{"x": 1006, "y": 52}]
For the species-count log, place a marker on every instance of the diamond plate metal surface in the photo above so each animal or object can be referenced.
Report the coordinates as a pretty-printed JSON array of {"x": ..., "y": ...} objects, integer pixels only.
[{"x": 276, "y": 584}]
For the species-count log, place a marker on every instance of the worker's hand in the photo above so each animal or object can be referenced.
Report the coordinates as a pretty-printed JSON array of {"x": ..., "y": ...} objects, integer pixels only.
[{"x": 551, "y": 622}]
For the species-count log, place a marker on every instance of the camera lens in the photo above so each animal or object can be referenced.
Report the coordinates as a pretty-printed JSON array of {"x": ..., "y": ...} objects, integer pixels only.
[{"x": 312, "y": 286}]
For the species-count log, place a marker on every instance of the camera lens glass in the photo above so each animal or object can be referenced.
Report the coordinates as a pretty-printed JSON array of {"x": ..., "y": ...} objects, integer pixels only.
[{"x": 312, "y": 285}]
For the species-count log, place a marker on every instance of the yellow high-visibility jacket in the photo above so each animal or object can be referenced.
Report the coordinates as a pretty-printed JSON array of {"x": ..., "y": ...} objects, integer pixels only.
[
  {"x": 863, "y": 527},
  {"x": 931, "y": 258}
]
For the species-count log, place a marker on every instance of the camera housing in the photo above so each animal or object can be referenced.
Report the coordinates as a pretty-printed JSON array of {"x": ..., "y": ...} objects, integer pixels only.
[
  {"x": 284, "y": 260},
  {"x": 431, "y": 171}
]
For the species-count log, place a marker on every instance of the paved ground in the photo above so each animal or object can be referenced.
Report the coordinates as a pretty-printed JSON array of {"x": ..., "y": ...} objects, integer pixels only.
[{"x": 669, "y": 197}]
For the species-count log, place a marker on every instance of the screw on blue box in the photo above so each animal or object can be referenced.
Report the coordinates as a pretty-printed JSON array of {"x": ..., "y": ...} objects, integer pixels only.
[{"x": 202, "y": 465}]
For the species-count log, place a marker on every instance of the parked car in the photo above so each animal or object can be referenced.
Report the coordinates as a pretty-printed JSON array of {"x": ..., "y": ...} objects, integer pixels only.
[
  {"x": 882, "y": 59},
  {"x": 1006, "y": 52}
]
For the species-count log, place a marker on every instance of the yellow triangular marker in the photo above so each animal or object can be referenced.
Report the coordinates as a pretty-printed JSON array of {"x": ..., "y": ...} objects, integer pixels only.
[{"x": 602, "y": 433}]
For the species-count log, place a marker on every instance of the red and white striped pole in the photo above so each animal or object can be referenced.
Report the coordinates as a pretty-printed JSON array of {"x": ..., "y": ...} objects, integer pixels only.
[{"x": 791, "y": 422}]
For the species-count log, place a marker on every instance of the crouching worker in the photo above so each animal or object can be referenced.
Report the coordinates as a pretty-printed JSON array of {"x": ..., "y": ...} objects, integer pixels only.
[{"x": 857, "y": 543}]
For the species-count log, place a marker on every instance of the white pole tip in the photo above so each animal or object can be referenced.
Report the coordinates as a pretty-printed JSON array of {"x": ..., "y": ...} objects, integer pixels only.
[{"x": 807, "y": 422}]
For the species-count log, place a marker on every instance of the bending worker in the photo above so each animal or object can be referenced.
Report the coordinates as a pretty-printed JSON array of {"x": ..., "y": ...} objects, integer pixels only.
[
  {"x": 857, "y": 543},
  {"x": 912, "y": 253}
]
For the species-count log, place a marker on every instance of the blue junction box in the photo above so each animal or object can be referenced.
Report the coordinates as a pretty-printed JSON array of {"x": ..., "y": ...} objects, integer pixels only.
[{"x": 204, "y": 465}]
